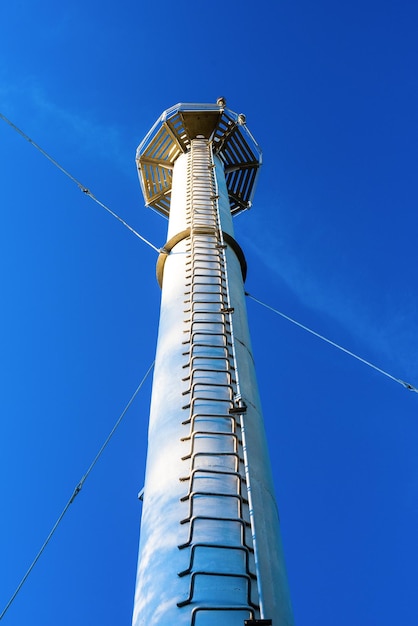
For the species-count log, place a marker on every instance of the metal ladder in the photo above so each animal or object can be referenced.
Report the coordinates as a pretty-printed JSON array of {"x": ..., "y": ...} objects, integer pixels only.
[{"x": 218, "y": 538}]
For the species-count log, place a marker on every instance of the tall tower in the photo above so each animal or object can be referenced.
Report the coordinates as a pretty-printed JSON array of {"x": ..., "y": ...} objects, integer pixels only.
[{"x": 210, "y": 550}]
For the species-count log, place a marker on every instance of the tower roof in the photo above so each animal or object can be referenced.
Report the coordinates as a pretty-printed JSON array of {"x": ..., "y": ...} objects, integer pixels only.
[{"x": 171, "y": 136}]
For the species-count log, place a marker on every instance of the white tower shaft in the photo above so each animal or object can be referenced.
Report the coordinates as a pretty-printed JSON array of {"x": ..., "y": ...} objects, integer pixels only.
[{"x": 209, "y": 546}]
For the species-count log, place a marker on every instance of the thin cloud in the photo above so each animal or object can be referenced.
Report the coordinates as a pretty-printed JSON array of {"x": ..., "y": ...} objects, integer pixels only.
[
  {"x": 91, "y": 137},
  {"x": 392, "y": 335}
]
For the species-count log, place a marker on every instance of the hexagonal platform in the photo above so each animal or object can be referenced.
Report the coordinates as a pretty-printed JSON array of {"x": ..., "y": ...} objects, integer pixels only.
[{"x": 171, "y": 135}]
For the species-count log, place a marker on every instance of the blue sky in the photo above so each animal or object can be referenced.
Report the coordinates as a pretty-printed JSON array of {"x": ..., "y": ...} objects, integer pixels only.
[{"x": 330, "y": 92}]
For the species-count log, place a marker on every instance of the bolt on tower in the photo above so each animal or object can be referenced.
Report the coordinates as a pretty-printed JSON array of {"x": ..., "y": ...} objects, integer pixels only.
[{"x": 210, "y": 550}]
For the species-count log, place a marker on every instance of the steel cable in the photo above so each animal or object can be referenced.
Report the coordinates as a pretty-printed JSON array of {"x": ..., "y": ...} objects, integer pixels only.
[
  {"x": 75, "y": 493},
  {"x": 336, "y": 345},
  {"x": 82, "y": 187}
]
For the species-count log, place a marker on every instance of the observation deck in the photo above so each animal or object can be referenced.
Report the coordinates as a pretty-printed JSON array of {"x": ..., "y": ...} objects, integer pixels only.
[{"x": 171, "y": 136}]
